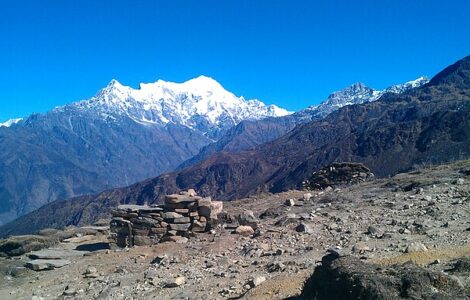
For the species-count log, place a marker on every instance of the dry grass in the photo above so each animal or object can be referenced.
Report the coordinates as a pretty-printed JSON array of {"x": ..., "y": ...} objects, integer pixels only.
[
  {"x": 423, "y": 258},
  {"x": 279, "y": 287}
]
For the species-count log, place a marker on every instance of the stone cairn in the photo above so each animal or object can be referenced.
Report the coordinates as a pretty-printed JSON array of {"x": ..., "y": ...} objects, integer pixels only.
[{"x": 178, "y": 218}]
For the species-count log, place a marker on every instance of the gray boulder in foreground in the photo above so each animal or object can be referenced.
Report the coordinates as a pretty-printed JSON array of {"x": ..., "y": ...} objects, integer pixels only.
[{"x": 350, "y": 278}]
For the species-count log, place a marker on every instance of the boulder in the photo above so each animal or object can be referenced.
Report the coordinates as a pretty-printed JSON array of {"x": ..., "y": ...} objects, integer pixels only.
[
  {"x": 176, "y": 282},
  {"x": 247, "y": 218},
  {"x": 307, "y": 196},
  {"x": 416, "y": 247},
  {"x": 244, "y": 230},
  {"x": 302, "y": 227},
  {"x": 289, "y": 202},
  {"x": 91, "y": 272},
  {"x": 348, "y": 277},
  {"x": 255, "y": 281}
]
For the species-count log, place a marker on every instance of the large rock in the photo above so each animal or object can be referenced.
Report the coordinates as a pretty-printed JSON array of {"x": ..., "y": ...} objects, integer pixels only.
[
  {"x": 46, "y": 264},
  {"x": 247, "y": 218},
  {"x": 176, "y": 282},
  {"x": 347, "y": 278},
  {"x": 416, "y": 247},
  {"x": 244, "y": 230},
  {"x": 302, "y": 227}
]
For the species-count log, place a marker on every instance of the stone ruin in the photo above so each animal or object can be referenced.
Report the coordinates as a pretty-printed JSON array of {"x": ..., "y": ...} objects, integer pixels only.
[
  {"x": 179, "y": 217},
  {"x": 338, "y": 174}
]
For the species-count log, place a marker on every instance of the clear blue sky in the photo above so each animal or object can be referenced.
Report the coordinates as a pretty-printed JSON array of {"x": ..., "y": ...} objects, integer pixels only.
[{"x": 291, "y": 53}]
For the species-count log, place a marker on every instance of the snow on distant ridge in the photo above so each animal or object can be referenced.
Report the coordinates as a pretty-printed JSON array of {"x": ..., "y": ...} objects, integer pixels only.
[
  {"x": 11, "y": 122},
  {"x": 358, "y": 93},
  {"x": 196, "y": 103}
]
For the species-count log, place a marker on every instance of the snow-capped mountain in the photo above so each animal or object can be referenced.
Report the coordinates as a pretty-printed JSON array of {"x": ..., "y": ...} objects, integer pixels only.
[
  {"x": 200, "y": 103},
  {"x": 249, "y": 134},
  {"x": 358, "y": 93},
  {"x": 11, "y": 122},
  {"x": 119, "y": 136}
]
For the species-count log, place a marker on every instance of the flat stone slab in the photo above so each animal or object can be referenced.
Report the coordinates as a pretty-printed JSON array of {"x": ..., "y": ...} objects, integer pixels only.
[
  {"x": 142, "y": 208},
  {"x": 46, "y": 264},
  {"x": 176, "y": 199},
  {"x": 80, "y": 239},
  {"x": 54, "y": 254},
  {"x": 97, "y": 228}
]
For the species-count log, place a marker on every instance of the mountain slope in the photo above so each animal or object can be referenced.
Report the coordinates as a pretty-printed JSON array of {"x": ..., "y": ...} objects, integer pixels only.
[
  {"x": 120, "y": 136},
  {"x": 250, "y": 133},
  {"x": 430, "y": 124}
]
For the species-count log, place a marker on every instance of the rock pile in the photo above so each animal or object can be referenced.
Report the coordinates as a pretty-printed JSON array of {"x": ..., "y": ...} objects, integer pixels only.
[
  {"x": 337, "y": 174},
  {"x": 180, "y": 216}
]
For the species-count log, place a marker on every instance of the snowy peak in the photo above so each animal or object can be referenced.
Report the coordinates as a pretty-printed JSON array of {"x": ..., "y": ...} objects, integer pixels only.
[
  {"x": 401, "y": 88},
  {"x": 11, "y": 122},
  {"x": 200, "y": 103},
  {"x": 358, "y": 93}
]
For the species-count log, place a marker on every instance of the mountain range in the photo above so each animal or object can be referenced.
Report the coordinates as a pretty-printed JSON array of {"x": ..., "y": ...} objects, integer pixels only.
[
  {"x": 124, "y": 135},
  {"x": 118, "y": 137},
  {"x": 426, "y": 124}
]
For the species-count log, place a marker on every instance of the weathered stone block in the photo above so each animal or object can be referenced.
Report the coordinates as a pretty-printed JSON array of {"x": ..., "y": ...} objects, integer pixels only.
[
  {"x": 171, "y": 215},
  {"x": 182, "y": 220},
  {"x": 199, "y": 226},
  {"x": 216, "y": 208},
  {"x": 180, "y": 227}
]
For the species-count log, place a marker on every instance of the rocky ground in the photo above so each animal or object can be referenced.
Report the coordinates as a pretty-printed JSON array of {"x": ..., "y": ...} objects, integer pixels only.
[{"x": 421, "y": 217}]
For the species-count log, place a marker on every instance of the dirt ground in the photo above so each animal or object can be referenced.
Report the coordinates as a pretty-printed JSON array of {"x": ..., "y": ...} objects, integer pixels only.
[{"x": 376, "y": 221}]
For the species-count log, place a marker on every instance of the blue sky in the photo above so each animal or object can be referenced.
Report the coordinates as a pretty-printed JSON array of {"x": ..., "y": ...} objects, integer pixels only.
[{"x": 291, "y": 53}]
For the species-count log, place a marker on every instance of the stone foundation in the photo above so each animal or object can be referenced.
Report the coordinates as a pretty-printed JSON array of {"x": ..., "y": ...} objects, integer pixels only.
[{"x": 181, "y": 214}]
